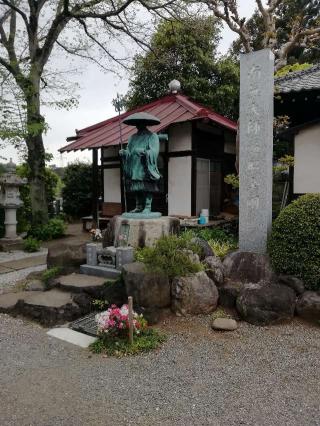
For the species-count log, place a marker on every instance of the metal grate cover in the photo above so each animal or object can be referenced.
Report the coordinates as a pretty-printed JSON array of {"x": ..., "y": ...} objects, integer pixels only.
[{"x": 85, "y": 325}]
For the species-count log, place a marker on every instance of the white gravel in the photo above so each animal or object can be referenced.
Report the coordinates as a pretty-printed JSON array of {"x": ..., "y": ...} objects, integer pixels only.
[{"x": 252, "y": 376}]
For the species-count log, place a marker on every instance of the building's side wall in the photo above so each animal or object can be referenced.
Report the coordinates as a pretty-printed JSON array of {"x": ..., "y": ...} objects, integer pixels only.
[
  {"x": 307, "y": 157},
  {"x": 179, "y": 186},
  {"x": 180, "y": 137}
]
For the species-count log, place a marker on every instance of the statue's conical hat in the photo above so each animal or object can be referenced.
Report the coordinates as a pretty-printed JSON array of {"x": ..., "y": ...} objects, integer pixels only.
[{"x": 141, "y": 117}]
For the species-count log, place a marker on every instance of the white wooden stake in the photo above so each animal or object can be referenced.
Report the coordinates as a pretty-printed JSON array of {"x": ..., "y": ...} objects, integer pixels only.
[{"x": 130, "y": 306}]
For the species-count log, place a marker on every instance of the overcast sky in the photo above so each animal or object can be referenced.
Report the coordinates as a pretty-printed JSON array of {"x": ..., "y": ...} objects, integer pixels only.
[{"x": 96, "y": 92}]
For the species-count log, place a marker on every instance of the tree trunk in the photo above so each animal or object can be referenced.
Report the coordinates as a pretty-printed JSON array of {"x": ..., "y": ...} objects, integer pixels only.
[
  {"x": 36, "y": 152},
  {"x": 36, "y": 163}
]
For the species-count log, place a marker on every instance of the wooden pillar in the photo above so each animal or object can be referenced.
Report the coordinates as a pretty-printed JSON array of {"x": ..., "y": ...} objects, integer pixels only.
[{"x": 95, "y": 187}]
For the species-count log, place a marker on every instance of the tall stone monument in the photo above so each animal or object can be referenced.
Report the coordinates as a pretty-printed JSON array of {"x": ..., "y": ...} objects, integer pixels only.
[{"x": 256, "y": 146}]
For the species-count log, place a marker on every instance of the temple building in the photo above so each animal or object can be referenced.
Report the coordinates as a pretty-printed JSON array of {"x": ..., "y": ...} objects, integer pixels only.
[{"x": 199, "y": 152}]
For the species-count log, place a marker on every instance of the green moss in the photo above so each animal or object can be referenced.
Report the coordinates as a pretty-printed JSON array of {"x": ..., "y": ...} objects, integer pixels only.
[
  {"x": 151, "y": 339},
  {"x": 50, "y": 274}
]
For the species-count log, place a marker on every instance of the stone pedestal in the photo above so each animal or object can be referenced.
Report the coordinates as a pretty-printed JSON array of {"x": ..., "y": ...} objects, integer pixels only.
[{"x": 143, "y": 232}]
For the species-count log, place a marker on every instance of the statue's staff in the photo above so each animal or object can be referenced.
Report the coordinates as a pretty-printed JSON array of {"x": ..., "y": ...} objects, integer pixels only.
[{"x": 119, "y": 104}]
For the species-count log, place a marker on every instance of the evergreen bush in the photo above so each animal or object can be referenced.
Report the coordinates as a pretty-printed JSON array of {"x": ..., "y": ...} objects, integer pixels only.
[
  {"x": 294, "y": 244},
  {"x": 77, "y": 190}
]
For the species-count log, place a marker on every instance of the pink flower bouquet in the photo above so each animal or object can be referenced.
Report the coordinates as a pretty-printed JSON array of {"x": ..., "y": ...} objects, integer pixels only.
[{"x": 114, "y": 322}]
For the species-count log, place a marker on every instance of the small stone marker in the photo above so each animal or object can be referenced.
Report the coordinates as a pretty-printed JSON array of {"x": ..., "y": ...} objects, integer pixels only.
[
  {"x": 256, "y": 147},
  {"x": 224, "y": 324}
]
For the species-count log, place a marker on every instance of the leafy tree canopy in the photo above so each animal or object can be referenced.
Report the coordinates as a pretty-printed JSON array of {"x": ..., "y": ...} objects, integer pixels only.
[{"x": 186, "y": 50}]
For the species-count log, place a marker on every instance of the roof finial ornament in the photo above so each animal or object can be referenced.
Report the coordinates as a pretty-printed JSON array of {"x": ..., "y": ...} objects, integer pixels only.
[{"x": 174, "y": 86}]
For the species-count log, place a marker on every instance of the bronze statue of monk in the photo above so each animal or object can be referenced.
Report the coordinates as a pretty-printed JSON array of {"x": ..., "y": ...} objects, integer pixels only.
[{"x": 140, "y": 161}]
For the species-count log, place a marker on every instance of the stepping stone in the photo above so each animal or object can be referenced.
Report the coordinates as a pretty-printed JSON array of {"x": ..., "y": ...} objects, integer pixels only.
[
  {"x": 78, "y": 283},
  {"x": 9, "y": 301},
  {"x": 50, "y": 307},
  {"x": 224, "y": 324},
  {"x": 71, "y": 336}
]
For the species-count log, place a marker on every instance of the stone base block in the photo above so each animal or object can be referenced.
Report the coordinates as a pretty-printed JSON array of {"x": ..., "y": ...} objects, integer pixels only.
[
  {"x": 100, "y": 271},
  {"x": 143, "y": 232},
  {"x": 7, "y": 244}
]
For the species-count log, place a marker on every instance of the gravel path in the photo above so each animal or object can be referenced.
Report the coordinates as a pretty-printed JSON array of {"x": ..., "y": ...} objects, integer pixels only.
[{"x": 254, "y": 376}]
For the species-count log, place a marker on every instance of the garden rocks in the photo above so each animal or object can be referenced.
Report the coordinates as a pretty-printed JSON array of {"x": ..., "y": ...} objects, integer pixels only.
[
  {"x": 266, "y": 303},
  {"x": 149, "y": 290},
  {"x": 308, "y": 306},
  {"x": 214, "y": 269},
  {"x": 224, "y": 324},
  {"x": 35, "y": 285},
  {"x": 293, "y": 282},
  {"x": 194, "y": 294},
  {"x": 248, "y": 267},
  {"x": 229, "y": 292},
  {"x": 69, "y": 256},
  {"x": 206, "y": 250}
]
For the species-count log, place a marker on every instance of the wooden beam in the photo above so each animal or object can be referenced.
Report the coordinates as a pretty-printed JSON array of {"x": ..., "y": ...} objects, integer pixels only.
[{"x": 95, "y": 187}]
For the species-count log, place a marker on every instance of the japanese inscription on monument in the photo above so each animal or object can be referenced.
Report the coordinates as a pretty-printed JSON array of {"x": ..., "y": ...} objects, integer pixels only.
[{"x": 256, "y": 145}]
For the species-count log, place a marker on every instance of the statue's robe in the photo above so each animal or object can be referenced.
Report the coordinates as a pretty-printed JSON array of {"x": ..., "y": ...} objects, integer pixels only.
[{"x": 140, "y": 162}]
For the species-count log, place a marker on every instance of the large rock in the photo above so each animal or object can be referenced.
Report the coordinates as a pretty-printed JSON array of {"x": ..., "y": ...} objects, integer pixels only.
[
  {"x": 248, "y": 267},
  {"x": 229, "y": 292},
  {"x": 149, "y": 290},
  {"x": 214, "y": 269},
  {"x": 69, "y": 256},
  {"x": 194, "y": 294},
  {"x": 205, "y": 248},
  {"x": 266, "y": 303},
  {"x": 308, "y": 305},
  {"x": 81, "y": 283},
  {"x": 293, "y": 282}
]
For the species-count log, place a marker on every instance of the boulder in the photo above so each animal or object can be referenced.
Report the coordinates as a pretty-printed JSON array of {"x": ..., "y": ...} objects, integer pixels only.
[
  {"x": 265, "y": 303},
  {"x": 35, "y": 285},
  {"x": 248, "y": 267},
  {"x": 224, "y": 324},
  {"x": 206, "y": 250},
  {"x": 214, "y": 269},
  {"x": 149, "y": 290},
  {"x": 69, "y": 256},
  {"x": 293, "y": 282},
  {"x": 194, "y": 294},
  {"x": 229, "y": 292},
  {"x": 308, "y": 305}
]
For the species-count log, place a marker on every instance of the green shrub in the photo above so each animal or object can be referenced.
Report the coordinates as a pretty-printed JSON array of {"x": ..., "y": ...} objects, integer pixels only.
[
  {"x": 55, "y": 228},
  {"x": 149, "y": 340},
  {"x": 294, "y": 244},
  {"x": 31, "y": 245},
  {"x": 77, "y": 190},
  {"x": 169, "y": 256},
  {"x": 50, "y": 274},
  {"x": 222, "y": 248}
]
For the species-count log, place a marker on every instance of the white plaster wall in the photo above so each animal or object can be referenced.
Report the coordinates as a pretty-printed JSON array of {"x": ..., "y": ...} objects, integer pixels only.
[
  {"x": 306, "y": 160},
  {"x": 179, "y": 186},
  {"x": 180, "y": 135},
  {"x": 112, "y": 189}
]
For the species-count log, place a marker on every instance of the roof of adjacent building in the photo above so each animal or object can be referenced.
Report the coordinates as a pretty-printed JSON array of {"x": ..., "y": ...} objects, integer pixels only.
[
  {"x": 169, "y": 109},
  {"x": 308, "y": 79}
]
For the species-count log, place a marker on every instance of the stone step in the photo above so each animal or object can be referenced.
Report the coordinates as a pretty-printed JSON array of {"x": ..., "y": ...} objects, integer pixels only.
[
  {"x": 9, "y": 301},
  {"x": 80, "y": 283},
  {"x": 49, "y": 307}
]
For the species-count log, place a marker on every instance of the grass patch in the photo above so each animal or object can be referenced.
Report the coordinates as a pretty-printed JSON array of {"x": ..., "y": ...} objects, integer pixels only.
[
  {"x": 50, "y": 274},
  {"x": 150, "y": 339},
  {"x": 220, "y": 313}
]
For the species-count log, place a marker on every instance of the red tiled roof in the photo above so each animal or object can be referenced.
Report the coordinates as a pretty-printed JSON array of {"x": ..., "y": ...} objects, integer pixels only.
[{"x": 170, "y": 109}]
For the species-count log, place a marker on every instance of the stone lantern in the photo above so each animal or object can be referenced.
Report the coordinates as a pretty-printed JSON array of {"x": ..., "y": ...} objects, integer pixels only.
[{"x": 10, "y": 201}]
